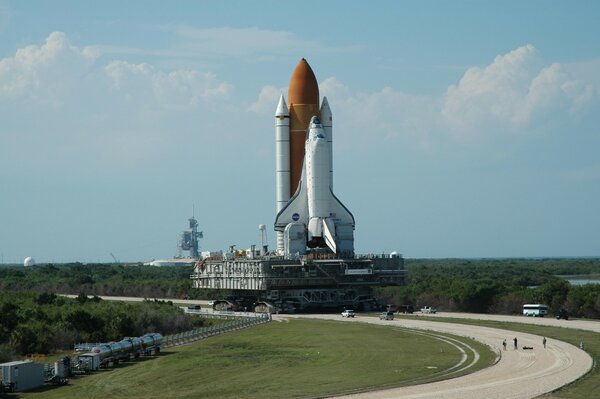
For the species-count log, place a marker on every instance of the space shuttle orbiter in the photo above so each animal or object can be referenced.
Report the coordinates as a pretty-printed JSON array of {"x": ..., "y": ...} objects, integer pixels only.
[{"x": 314, "y": 217}]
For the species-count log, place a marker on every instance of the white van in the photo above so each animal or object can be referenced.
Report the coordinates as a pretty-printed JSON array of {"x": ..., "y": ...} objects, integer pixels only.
[{"x": 535, "y": 310}]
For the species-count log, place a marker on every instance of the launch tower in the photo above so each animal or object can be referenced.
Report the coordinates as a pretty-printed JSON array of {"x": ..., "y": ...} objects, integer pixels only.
[{"x": 188, "y": 240}]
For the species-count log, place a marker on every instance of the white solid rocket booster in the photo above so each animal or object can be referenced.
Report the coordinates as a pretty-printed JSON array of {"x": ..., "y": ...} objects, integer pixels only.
[
  {"x": 282, "y": 154},
  {"x": 282, "y": 160}
]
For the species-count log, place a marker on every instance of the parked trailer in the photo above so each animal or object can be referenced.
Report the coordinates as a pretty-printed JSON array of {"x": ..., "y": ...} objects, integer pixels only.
[
  {"x": 58, "y": 373},
  {"x": 22, "y": 375},
  {"x": 102, "y": 355},
  {"x": 151, "y": 343},
  {"x": 105, "y": 354},
  {"x": 87, "y": 362}
]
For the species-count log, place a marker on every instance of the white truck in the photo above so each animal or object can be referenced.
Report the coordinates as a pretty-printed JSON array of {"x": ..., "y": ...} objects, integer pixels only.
[{"x": 428, "y": 310}]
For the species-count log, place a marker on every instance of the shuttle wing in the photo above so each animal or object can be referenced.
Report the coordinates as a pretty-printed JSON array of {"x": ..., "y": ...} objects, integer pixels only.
[
  {"x": 296, "y": 210},
  {"x": 339, "y": 213}
]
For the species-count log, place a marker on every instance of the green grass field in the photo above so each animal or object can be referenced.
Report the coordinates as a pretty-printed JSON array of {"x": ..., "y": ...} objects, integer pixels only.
[
  {"x": 295, "y": 359},
  {"x": 587, "y": 387}
]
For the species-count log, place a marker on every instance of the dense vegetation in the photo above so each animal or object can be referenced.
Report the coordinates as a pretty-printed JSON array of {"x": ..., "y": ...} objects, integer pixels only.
[
  {"x": 45, "y": 323},
  {"x": 497, "y": 286},
  {"x": 99, "y": 279}
]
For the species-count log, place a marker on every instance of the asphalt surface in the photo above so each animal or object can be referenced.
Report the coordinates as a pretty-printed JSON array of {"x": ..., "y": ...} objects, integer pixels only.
[{"x": 589, "y": 325}]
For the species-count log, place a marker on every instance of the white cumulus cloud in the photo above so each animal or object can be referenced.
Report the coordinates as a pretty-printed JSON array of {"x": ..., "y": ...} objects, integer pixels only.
[
  {"x": 333, "y": 88},
  {"x": 267, "y": 100},
  {"x": 553, "y": 88},
  {"x": 387, "y": 112},
  {"x": 62, "y": 100},
  {"x": 45, "y": 73},
  {"x": 175, "y": 88},
  {"x": 514, "y": 92}
]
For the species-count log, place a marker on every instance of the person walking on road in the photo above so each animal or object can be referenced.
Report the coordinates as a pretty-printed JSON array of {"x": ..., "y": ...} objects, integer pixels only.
[
  {"x": 544, "y": 342},
  {"x": 504, "y": 343},
  {"x": 515, "y": 341}
]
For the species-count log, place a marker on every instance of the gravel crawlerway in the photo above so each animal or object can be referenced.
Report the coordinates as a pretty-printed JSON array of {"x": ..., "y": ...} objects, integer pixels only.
[{"x": 518, "y": 373}]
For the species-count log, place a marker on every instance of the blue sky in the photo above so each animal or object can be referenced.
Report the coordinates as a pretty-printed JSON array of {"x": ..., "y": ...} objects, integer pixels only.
[{"x": 461, "y": 129}]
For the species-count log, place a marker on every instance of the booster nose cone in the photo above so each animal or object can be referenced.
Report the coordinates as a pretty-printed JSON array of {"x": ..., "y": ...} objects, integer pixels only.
[
  {"x": 326, "y": 117},
  {"x": 282, "y": 109},
  {"x": 303, "y": 87}
]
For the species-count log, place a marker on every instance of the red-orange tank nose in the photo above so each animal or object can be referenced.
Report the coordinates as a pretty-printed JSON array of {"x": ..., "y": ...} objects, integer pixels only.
[{"x": 303, "y": 87}]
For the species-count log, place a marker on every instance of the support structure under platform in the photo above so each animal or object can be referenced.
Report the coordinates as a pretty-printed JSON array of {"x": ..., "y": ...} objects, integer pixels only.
[{"x": 303, "y": 283}]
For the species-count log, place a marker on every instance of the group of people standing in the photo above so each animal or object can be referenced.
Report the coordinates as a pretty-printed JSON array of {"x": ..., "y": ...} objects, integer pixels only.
[{"x": 516, "y": 345}]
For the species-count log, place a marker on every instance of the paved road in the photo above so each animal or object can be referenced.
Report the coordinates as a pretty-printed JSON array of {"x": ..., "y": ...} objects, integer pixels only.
[
  {"x": 138, "y": 299},
  {"x": 517, "y": 374},
  {"x": 590, "y": 325}
]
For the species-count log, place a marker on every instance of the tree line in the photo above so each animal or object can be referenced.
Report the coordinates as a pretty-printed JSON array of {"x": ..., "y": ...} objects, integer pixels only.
[
  {"x": 497, "y": 285},
  {"x": 99, "y": 279},
  {"x": 42, "y": 323}
]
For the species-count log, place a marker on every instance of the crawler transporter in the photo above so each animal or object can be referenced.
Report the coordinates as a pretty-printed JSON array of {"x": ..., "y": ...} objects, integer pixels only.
[{"x": 311, "y": 282}]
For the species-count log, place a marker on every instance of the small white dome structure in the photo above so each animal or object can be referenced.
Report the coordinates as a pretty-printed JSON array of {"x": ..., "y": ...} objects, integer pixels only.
[{"x": 29, "y": 261}]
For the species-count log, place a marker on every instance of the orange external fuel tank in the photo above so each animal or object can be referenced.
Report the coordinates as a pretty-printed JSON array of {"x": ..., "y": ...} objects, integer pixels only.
[{"x": 303, "y": 98}]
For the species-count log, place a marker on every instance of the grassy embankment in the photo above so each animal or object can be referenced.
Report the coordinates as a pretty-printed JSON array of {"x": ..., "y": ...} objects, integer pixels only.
[
  {"x": 587, "y": 387},
  {"x": 299, "y": 358}
]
